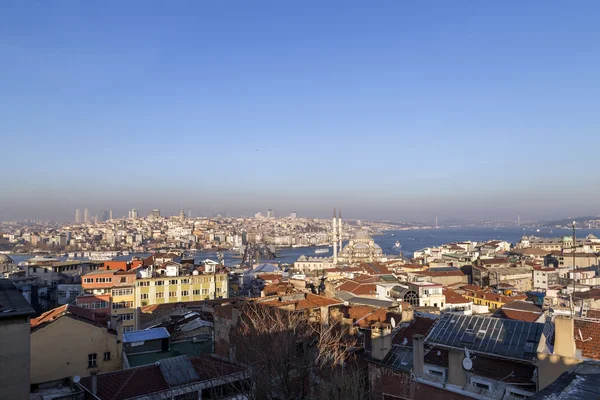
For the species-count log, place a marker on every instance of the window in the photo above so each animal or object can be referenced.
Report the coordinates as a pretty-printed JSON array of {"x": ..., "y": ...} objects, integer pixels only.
[
  {"x": 107, "y": 356},
  {"x": 128, "y": 328},
  {"x": 122, "y": 292},
  {"x": 480, "y": 384},
  {"x": 204, "y": 291},
  {"x": 160, "y": 295},
  {"x": 196, "y": 292},
  {"x": 122, "y": 304},
  {"x": 158, "y": 283},
  {"x": 185, "y": 292},
  {"x": 62, "y": 293},
  {"x": 436, "y": 371},
  {"x": 144, "y": 296},
  {"x": 173, "y": 282},
  {"x": 146, "y": 283},
  {"x": 123, "y": 279},
  {"x": 92, "y": 360},
  {"x": 185, "y": 281},
  {"x": 127, "y": 317},
  {"x": 218, "y": 290},
  {"x": 172, "y": 294}
]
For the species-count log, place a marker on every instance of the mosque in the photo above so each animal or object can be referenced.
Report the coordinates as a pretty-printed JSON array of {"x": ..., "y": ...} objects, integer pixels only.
[{"x": 360, "y": 248}]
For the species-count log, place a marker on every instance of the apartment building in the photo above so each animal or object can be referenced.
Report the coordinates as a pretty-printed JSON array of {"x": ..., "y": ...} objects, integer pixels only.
[
  {"x": 113, "y": 292},
  {"x": 175, "y": 289}
]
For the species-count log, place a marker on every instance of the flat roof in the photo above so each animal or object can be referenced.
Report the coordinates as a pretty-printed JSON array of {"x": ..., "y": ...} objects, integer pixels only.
[
  {"x": 189, "y": 348},
  {"x": 12, "y": 302},
  {"x": 148, "y": 334}
]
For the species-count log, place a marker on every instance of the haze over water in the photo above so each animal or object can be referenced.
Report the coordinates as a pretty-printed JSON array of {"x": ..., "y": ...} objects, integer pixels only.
[{"x": 410, "y": 241}]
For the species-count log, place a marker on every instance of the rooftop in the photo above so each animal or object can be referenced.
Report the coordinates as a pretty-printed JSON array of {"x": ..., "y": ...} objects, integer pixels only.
[
  {"x": 141, "y": 381},
  {"x": 488, "y": 335},
  {"x": 148, "y": 334},
  {"x": 12, "y": 302},
  {"x": 79, "y": 313},
  {"x": 419, "y": 325},
  {"x": 581, "y": 382},
  {"x": 188, "y": 348}
]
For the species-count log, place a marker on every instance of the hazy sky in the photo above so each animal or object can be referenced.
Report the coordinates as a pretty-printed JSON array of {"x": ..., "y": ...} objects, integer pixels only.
[{"x": 385, "y": 109}]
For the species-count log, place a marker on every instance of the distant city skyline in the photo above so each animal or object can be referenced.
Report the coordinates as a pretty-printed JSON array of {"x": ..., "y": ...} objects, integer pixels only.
[
  {"x": 103, "y": 215},
  {"x": 402, "y": 111}
]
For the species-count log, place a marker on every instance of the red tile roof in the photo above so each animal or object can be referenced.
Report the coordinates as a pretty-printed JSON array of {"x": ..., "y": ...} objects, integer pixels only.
[
  {"x": 420, "y": 325},
  {"x": 358, "y": 288},
  {"x": 307, "y": 302},
  {"x": 365, "y": 316},
  {"x": 375, "y": 268},
  {"x": 140, "y": 381},
  {"x": 593, "y": 314},
  {"x": 440, "y": 273},
  {"x": 278, "y": 288},
  {"x": 517, "y": 315},
  {"x": 454, "y": 298},
  {"x": 82, "y": 314},
  {"x": 590, "y": 332},
  {"x": 269, "y": 277}
]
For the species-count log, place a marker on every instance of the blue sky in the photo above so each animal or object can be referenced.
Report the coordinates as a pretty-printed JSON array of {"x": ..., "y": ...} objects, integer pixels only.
[{"x": 390, "y": 109}]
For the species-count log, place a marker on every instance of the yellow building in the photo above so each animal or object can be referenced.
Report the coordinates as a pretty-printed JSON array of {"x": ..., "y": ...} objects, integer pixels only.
[
  {"x": 491, "y": 300},
  {"x": 123, "y": 299},
  {"x": 175, "y": 289},
  {"x": 69, "y": 341}
]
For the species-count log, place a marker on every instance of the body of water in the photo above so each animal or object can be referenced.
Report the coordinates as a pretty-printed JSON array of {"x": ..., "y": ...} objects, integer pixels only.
[{"x": 410, "y": 241}]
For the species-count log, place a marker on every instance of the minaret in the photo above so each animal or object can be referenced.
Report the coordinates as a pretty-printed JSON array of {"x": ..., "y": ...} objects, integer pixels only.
[
  {"x": 334, "y": 239},
  {"x": 340, "y": 229}
]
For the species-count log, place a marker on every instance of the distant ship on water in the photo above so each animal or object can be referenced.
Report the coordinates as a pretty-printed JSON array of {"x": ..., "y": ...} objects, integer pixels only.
[{"x": 321, "y": 251}]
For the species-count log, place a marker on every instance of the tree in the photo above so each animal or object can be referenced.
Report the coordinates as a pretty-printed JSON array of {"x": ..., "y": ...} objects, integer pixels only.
[{"x": 293, "y": 355}]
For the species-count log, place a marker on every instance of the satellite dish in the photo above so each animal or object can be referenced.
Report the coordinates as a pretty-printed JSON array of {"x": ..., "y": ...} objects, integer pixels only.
[
  {"x": 76, "y": 379},
  {"x": 393, "y": 321},
  {"x": 467, "y": 364}
]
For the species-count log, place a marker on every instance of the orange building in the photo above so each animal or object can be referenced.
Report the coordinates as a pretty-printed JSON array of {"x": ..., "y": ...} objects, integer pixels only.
[{"x": 117, "y": 289}]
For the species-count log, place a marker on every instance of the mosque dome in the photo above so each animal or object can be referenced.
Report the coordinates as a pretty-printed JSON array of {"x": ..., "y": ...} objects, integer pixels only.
[
  {"x": 4, "y": 259},
  {"x": 362, "y": 234}
]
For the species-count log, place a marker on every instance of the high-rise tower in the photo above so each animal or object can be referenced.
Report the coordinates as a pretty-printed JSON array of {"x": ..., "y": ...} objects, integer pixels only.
[
  {"x": 182, "y": 216},
  {"x": 86, "y": 216},
  {"x": 77, "y": 216}
]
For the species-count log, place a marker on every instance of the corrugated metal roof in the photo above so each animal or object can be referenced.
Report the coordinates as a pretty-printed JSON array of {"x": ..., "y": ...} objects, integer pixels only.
[
  {"x": 148, "y": 334},
  {"x": 178, "y": 371},
  {"x": 399, "y": 358},
  {"x": 488, "y": 335}
]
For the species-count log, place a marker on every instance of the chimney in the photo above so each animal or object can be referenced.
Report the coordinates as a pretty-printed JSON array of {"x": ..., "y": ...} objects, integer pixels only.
[
  {"x": 564, "y": 343},
  {"x": 381, "y": 340},
  {"x": 325, "y": 315},
  {"x": 94, "y": 376},
  {"x": 418, "y": 354}
]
